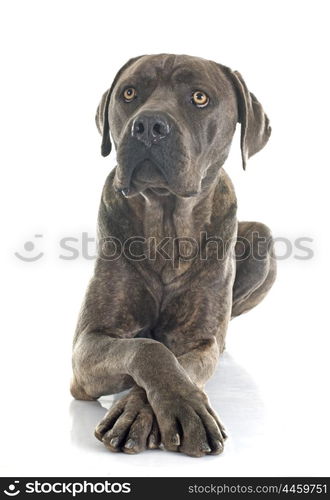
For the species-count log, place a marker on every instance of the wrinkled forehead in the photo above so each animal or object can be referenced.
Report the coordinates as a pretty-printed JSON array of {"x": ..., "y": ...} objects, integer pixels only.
[{"x": 172, "y": 69}]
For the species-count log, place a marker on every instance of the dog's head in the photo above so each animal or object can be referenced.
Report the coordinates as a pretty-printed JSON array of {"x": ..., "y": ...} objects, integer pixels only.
[{"x": 172, "y": 119}]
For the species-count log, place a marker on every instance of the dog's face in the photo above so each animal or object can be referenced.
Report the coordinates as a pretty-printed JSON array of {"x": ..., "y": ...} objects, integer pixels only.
[{"x": 172, "y": 119}]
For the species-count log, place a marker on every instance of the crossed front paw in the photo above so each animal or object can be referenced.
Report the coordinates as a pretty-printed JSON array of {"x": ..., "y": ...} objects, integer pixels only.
[
  {"x": 188, "y": 424},
  {"x": 180, "y": 421},
  {"x": 130, "y": 425}
]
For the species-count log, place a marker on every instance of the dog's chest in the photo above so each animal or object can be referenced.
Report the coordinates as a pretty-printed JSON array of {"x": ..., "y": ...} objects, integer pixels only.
[{"x": 169, "y": 242}]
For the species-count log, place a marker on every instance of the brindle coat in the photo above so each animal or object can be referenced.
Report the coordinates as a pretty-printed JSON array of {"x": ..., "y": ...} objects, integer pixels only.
[{"x": 174, "y": 263}]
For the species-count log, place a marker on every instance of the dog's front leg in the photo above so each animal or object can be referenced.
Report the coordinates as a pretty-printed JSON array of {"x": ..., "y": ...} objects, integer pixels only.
[
  {"x": 181, "y": 408},
  {"x": 200, "y": 361},
  {"x": 132, "y": 416},
  {"x": 193, "y": 326}
]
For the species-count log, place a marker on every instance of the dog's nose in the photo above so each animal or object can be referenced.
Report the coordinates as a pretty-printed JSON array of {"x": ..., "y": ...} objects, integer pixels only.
[{"x": 150, "y": 129}]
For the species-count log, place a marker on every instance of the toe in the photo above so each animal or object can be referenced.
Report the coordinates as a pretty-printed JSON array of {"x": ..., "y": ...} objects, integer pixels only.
[
  {"x": 107, "y": 422},
  {"x": 154, "y": 436},
  {"x": 136, "y": 440},
  {"x": 219, "y": 423},
  {"x": 194, "y": 442},
  {"x": 214, "y": 435},
  {"x": 115, "y": 438},
  {"x": 171, "y": 438}
]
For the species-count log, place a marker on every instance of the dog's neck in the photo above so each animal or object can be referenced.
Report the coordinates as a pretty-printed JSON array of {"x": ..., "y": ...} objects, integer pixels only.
[
  {"x": 173, "y": 216},
  {"x": 167, "y": 222}
]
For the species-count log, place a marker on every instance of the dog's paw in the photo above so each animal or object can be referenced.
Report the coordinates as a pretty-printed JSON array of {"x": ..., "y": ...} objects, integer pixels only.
[
  {"x": 188, "y": 424},
  {"x": 130, "y": 425}
]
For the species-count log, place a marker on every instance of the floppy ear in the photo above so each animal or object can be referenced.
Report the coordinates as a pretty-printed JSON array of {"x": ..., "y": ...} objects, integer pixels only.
[
  {"x": 255, "y": 128},
  {"x": 102, "y": 112},
  {"x": 102, "y": 123}
]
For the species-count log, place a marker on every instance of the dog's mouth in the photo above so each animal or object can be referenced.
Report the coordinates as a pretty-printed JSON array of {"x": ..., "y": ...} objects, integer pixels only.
[
  {"x": 160, "y": 191},
  {"x": 150, "y": 175}
]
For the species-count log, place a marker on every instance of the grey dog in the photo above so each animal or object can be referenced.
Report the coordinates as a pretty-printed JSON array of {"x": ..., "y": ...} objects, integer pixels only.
[{"x": 174, "y": 265}]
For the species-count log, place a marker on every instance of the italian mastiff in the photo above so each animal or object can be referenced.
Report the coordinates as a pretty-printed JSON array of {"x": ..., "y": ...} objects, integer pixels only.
[{"x": 174, "y": 265}]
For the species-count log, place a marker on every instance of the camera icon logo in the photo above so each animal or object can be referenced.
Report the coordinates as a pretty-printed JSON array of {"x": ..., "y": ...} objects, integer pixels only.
[
  {"x": 12, "y": 490},
  {"x": 29, "y": 246}
]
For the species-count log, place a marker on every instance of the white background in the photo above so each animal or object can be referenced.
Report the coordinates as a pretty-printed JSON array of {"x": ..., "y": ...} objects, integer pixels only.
[{"x": 271, "y": 389}]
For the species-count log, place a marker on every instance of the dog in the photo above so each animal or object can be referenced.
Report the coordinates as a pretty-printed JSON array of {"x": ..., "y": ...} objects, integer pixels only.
[{"x": 174, "y": 264}]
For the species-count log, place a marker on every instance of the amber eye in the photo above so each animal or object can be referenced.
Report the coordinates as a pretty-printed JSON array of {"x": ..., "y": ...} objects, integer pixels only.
[
  {"x": 129, "y": 94},
  {"x": 200, "y": 99}
]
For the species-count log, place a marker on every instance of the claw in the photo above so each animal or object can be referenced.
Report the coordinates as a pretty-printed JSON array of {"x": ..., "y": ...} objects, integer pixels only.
[
  {"x": 152, "y": 442},
  {"x": 224, "y": 433},
  {"x": 219, "y": 446},
  {"x": 206, "y": 448},
  {"x": 176, "y": 440},
  {"x": 114, "y": 442},
  {"x": 130, "y": 444}
]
